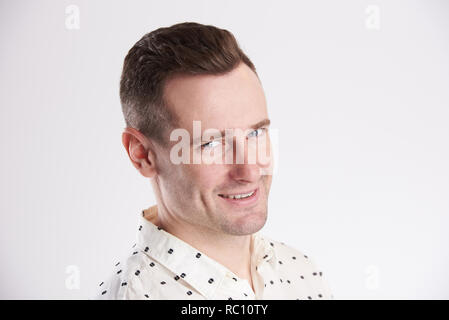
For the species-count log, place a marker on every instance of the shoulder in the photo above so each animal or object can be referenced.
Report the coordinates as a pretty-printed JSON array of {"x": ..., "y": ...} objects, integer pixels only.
[
  {"x": 298, "y": 263},
  {"x": 121, "y": 282},
  {"x": 286, "y": 253}
]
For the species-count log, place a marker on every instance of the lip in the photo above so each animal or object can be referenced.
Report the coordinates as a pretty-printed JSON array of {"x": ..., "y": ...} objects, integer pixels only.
[{"x": 243, "y": 202}]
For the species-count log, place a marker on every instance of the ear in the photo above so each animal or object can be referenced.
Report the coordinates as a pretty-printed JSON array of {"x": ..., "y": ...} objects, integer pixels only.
[{"x": 140, "y": 151}]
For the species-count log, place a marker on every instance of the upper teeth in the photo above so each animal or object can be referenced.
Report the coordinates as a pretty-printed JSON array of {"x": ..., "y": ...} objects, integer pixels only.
[{"x": 239, "y": 196}]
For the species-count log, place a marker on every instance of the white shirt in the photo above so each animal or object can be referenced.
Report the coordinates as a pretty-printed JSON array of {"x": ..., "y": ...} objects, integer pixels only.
[{"x": 162, "y": 266}]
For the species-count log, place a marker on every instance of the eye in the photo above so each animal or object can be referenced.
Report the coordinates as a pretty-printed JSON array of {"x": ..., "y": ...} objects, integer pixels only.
[
  {"x": 210, "y": 144},
  {"x": 257, "y": 132}
]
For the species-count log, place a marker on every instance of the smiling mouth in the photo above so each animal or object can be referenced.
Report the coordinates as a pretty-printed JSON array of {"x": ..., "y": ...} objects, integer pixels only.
[{"x": 239, "y": 195}]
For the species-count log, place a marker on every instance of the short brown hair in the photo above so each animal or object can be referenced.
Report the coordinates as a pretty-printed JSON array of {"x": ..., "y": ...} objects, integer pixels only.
[{"x": 185, "y": 48}]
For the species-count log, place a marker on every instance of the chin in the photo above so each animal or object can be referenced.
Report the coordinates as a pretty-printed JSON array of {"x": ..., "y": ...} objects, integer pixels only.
[{"x": 248, "y": 223}]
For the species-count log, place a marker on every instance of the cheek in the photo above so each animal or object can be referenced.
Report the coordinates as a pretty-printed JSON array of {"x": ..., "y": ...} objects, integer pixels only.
[
  {"x": 209, "y": 178},
  {"x": 178, "y": 181}
]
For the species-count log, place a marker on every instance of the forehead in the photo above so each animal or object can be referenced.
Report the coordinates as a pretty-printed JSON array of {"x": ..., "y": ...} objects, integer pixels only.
[{"x": 232, "y": 100}]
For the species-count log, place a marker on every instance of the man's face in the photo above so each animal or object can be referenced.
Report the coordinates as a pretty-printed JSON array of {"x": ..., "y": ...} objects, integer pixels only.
[{"x": 198, "y": 194}]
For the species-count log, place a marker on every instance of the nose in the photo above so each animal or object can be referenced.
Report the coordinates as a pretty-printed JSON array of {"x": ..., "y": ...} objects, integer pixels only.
[
  {"x": 245, "y": 167},
  {"x": 245, "y": 173}
]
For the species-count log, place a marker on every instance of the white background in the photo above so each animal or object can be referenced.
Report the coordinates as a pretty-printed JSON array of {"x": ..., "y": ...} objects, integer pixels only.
[{"x": 361, "y": 102}]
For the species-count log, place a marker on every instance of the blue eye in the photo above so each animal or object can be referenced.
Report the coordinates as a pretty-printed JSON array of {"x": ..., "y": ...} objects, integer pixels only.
[
  {"x": 209, "y": 144},
  {"x": 252, "y": 134},
  {"x": 258, "y": 132}
]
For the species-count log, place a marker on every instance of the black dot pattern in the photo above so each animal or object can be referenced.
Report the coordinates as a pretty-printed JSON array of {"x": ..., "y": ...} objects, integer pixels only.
[{"x": 169, "y": 268}]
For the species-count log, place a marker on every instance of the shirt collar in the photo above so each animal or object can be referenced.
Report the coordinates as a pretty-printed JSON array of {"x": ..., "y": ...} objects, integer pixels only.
[{"x": 196, "y": 268}]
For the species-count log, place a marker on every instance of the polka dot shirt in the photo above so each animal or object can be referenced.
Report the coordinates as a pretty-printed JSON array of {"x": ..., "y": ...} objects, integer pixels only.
[{"x": 161, "y": 266}]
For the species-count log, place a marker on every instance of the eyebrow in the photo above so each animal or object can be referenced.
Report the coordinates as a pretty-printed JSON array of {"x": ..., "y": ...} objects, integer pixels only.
[{"x": 260, "y": 124}]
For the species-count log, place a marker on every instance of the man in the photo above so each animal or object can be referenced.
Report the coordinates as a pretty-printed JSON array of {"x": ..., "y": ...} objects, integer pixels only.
[{"x": 202, "y": 239}]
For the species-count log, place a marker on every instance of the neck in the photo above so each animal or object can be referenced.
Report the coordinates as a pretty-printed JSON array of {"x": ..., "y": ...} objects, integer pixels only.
[{"x": 233, "y": 252}]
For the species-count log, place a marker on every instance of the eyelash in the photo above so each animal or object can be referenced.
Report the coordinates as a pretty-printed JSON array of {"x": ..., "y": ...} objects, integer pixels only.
[{"x": 263, "y": 129}]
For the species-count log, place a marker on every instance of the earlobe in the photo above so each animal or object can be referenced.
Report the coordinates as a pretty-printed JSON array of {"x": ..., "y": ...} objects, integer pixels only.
[
  {"x": 146, "y": 161},
  {"x": 150, "y": 165},
  {"x": 140, "y": 152}
]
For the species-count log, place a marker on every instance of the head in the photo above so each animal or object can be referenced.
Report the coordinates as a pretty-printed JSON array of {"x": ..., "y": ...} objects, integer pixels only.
[{"x": 192, "y": 72}]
